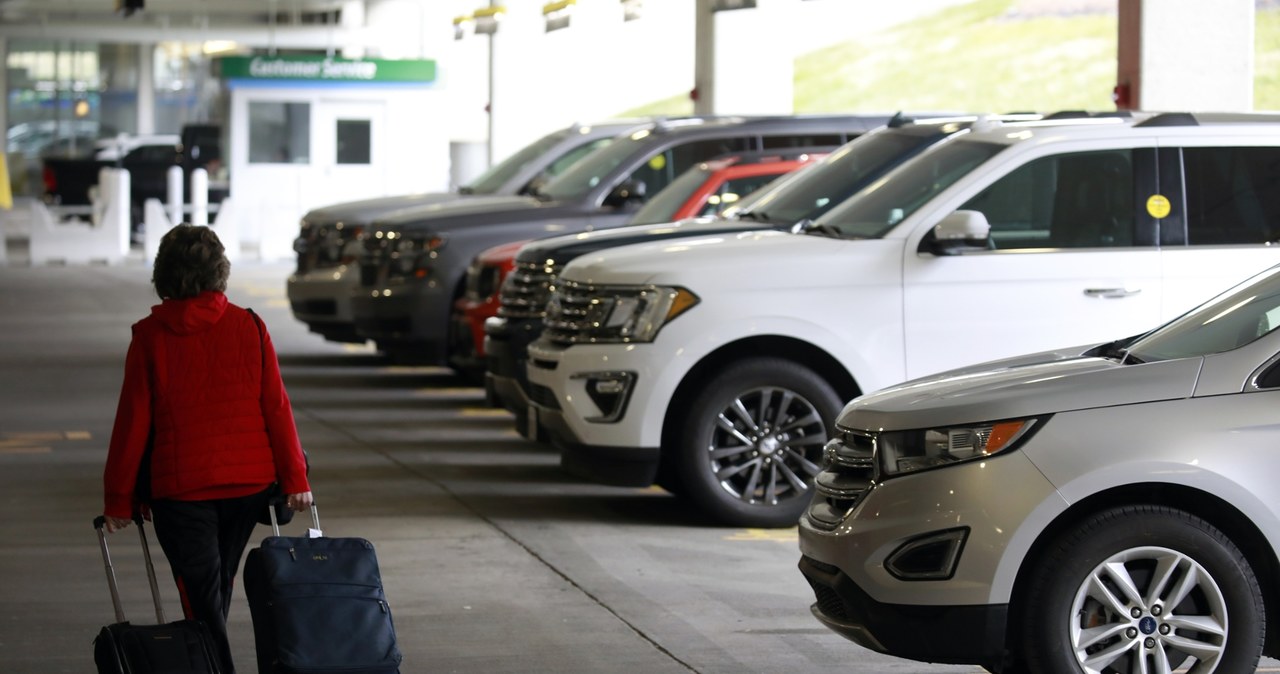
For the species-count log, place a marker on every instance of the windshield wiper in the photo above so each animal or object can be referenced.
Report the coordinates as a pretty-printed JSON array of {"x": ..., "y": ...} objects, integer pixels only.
[{"x": 808, "y": 226}]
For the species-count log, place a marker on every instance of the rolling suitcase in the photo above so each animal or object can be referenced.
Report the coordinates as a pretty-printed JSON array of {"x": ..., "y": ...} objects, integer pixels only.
[
  {"x": 182, "y": 647},
  {"x": 317, "y": 605}
]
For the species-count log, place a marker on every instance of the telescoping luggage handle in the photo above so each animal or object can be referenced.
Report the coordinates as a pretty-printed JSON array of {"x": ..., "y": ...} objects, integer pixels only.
[
  {"x": 315, "y": 531},
  {"x": 98, "y": 523}
]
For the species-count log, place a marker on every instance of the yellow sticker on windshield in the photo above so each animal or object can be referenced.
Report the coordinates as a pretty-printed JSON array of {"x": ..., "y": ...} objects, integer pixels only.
[
  {"x": 1158, "y": 206},
  {"x": 658, "y": 163}
]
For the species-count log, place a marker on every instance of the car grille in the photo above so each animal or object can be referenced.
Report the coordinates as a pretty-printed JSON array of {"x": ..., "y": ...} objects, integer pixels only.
[
  {"x": 526, "y": 290},
  {"x": 568, "y": 313},
  {"x": 849, "y": 473},
  {"x": 320, "y": 245},
  {"x": 315, "y": 307},
  {"x": 372, "y": 261}
]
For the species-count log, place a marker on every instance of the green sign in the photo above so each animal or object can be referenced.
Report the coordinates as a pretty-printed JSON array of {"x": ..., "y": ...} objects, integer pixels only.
[{"x": 326, "y": 69}]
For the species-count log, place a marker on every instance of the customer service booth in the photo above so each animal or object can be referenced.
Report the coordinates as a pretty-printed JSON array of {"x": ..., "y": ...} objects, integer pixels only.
[{"x": 310, "y": 131}]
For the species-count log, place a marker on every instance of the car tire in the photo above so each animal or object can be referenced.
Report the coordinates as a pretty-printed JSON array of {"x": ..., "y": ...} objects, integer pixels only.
[
  {"x": 759, "y": 473},
  {"x": 1077, "y": 610}
]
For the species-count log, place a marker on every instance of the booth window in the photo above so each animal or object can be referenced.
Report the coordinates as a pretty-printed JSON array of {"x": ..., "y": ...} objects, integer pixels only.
[
  {"x": 279, "y": 132},
  {"x": 353, "y": 141}
]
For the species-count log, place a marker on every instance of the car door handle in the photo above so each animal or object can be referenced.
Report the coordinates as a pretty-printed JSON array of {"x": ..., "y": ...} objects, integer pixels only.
[{"x": 1111, "y": 292}]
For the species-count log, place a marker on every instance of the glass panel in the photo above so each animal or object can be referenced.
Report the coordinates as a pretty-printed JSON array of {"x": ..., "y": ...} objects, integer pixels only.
[
  {"x": 1082, "y": 200},
  {"x": 279, "y": 133},
  {"x": 354, "y": 141},
  {"x": 1233, "y": 194}
]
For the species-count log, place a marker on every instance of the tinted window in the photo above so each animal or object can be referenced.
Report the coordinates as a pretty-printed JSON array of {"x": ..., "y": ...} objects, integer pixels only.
[
  {"x": 1233, "y": 194},
  {"x": 1227, "y": 322},
  {"x": 803, "y": 140},
  {"x": 279, "y": 133},
  {"x": 661, "y": 207},
  {"x": 492, "y": 180},
  {"x": 1082, "y": 200},
  {"x": 353, "y": 141},
  {"x": 661, "y": 169},
  {"x": 830, "y": 181},
  {"x": 894, "y": 197},
  {"x": 732, "y": 191}
]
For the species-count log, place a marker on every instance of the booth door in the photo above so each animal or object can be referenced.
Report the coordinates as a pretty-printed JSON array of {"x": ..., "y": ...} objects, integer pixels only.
[{"x": 348, "y": 159}]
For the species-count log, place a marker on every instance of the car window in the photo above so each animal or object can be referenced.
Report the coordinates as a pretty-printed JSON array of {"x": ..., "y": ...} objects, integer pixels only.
[
  {"x": 803, "y": 140},
  {"x": 894, "y": 197},
  {"x": 571, "y": 157},
  {"x": 1227, "y": 322},
  {"x": 493, "y": 179},
  {"x": 661, "y": 207},
  {"x": 732, "y": 191},
  {"x": 1233, "y": 195},
  {"x": 1080, "y": 200}
]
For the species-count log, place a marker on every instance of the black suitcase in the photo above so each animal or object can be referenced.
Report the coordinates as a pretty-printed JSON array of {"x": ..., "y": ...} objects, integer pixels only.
[
  {"x": 317, "y": 605},
  {"x": 182, "y": 647}
]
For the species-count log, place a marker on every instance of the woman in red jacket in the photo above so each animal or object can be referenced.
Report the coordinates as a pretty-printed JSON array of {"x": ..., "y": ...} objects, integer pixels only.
[{"x": 202, "y": 390}]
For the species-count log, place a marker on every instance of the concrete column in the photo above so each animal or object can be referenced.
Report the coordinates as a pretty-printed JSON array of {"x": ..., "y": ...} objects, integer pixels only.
[
  {"x": 146, "y": 88},
  {"x": 515, "y": 77},
  {"x": 743, "y": 63},
  {"x": 1185, "y": 55}
]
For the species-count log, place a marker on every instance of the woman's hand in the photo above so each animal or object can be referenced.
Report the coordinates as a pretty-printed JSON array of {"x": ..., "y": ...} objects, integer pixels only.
[
  {"x": 115, "y": 524},
  {"x": 301, "y": 501}
]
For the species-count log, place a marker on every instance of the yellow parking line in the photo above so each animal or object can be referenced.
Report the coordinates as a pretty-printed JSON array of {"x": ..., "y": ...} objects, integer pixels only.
[
  {"x": 483, "y": 412},
  {"x": 776, "y": 535},
  {"x": 25, "y": 449}
]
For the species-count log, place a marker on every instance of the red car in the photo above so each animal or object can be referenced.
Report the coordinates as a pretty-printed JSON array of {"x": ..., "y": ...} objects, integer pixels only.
[{"x": 706, "y": 189}]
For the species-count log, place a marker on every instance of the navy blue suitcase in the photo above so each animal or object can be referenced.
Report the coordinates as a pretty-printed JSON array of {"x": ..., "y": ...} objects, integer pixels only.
[
  {"x": 317, "y": 605},
  {"x": 181, "y": 647}
]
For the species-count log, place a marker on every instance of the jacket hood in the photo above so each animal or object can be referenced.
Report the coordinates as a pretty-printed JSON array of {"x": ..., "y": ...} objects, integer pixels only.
[
  {"x": 191, "y": 315},
  {"x": 1010, "y": 389}
]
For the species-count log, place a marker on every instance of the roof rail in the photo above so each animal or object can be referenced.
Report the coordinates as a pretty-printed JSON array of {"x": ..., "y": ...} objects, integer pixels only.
[{"x": 1171, "y": 119}]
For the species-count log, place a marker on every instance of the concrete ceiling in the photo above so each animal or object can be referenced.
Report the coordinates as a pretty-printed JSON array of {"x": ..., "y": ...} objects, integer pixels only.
[{"x": 283, "y": 23}]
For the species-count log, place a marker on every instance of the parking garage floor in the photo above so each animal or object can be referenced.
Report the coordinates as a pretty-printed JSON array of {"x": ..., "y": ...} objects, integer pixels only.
[{"x": 493, "y": 560}]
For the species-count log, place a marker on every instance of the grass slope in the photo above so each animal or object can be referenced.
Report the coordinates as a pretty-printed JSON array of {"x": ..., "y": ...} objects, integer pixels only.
[{"x": 982, "y": 56}]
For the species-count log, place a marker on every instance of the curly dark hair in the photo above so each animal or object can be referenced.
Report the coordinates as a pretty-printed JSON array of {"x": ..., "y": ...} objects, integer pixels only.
[{"x": 191, "y": 260}]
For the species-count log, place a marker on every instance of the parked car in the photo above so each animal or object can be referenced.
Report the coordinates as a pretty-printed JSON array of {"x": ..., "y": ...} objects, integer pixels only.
[
  {"x": 414, "y": 266},
  {"x": 329, "y": 238},
  {"x": 1107, "y": 509},
  {"x": 706, "y": 190},
  {"x": 148, "y": 158},
  {"x": 717, "y": 366},
  {"x": 802, "y": 195}
]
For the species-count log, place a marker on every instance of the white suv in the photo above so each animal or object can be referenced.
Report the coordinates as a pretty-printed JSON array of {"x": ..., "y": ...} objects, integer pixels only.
[{"x": 715, "y": 366}]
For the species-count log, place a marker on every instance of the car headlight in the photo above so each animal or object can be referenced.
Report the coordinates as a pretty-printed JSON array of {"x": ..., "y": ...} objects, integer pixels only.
[
  {"x": 616, "y": 313},
  {"x": 901, "y": 452},
  {"x": 414, "y": 256}
]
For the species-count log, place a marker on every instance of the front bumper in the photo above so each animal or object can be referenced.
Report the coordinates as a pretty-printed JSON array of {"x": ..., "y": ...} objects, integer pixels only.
[
  {"x": 321, "y": 298},
  {"x": 963, "y": 614},
  {"x": 613, "y": 439},
  {"x": 506, "y": 348},
  {"x": 408, "y": 318}
]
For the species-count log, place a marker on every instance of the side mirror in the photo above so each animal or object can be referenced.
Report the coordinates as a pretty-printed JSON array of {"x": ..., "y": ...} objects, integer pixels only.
[
  {"x": 961, "y": 231},
  {"x": 627, "y": 192}
]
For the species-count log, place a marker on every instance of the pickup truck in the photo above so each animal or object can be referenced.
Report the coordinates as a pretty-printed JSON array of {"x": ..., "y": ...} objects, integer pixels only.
[{"x": 69, "y": 179}]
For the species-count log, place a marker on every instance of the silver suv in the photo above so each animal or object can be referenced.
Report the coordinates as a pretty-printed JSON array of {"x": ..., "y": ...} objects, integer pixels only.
[{"x": 1109, "y": 509}]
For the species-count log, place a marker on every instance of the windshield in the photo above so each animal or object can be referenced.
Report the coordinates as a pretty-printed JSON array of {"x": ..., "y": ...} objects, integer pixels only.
[
  {"x": 585, "y": 175},
  {"x": 663, "y": 205},
  {"x": 893, "y": 198},
  {"x": 1229, "y": 321},
  {"x": 501, "y": 173},
  {"x": 837, "y": 177}
]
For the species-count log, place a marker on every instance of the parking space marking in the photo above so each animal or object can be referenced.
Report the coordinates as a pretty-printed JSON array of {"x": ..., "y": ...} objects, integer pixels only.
[
  {"x": 775, "y": 535},
  {"x": 492, "y": 412},
  {"x": 33, "y": 442}
]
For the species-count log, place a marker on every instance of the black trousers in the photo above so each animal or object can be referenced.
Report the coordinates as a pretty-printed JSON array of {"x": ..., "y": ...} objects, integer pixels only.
[{"x": 204, "y": 541}]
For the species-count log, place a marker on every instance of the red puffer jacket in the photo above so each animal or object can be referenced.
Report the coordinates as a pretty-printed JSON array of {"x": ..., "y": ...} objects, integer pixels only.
[{"x": 202, "y": 373}]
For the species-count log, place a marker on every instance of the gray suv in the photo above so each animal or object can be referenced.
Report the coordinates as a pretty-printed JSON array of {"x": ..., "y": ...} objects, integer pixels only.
[{"x": 328, "y": 241}]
